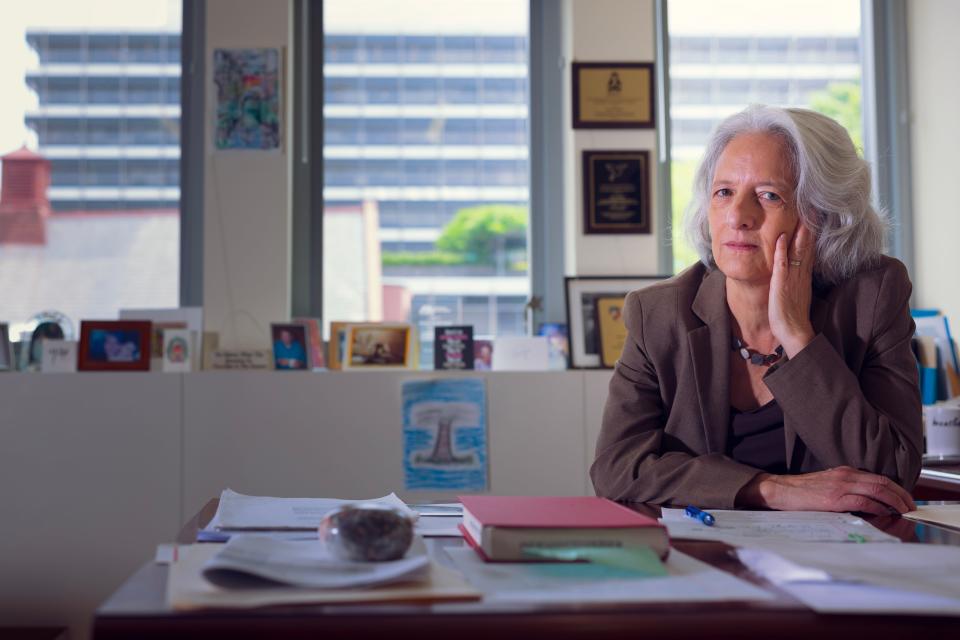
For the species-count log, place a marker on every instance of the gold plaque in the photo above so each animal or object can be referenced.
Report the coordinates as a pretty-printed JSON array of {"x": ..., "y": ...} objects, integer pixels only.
[{"x": 613, "y": 95}]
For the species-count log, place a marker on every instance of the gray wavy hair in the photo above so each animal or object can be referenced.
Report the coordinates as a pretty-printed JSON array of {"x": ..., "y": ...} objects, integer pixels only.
[{"x": 832, "y": 191}]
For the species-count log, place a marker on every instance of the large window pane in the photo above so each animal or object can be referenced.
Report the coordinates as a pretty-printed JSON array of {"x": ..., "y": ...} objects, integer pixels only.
[
  {"x": 426, "y": 163},
  {"x": 725, "y": 56},
  {"x": 92, "y": 89}
]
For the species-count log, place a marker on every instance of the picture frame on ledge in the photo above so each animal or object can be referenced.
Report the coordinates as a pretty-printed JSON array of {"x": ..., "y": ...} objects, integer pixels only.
[
  {"x": 380, "y": 345},
  {"x": 115, "y": 345},
  {"x": 582, "y": 294},
  {"x": 616, "y": 192},
  {"x": 613, "y": 95}
]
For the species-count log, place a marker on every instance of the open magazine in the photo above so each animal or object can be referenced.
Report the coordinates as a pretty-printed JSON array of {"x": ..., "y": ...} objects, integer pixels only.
[{"x": 251, "y": 560}]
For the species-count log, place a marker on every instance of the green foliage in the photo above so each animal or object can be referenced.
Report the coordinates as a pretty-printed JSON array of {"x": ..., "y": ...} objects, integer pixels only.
[
  {"x": 841, "y": 101},
  {"x": 421, "y": 259},
  {"x": 681, "y": 192},
  {"x": 478, "y": 233}
]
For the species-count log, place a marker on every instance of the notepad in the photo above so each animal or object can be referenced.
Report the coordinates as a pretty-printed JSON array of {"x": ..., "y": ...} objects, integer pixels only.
[{"x": 947, "y": 515}]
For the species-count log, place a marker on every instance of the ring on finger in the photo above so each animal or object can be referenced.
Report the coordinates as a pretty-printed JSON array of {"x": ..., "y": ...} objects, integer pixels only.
[{"x": 795, "y": 263}]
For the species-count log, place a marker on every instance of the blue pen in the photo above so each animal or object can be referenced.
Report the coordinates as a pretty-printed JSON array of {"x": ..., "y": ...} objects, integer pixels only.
[{"x": 699, "y": 514}]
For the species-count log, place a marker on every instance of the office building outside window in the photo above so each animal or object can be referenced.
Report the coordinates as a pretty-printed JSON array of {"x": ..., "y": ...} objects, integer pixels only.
[
  {"x": 91, "y": 121},
  {"x": 426, "y": 164},
  {"x": 800, "y": 53}
]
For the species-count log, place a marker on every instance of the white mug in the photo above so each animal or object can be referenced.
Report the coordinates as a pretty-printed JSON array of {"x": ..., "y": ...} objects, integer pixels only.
[{"x": 943, "y": 429}]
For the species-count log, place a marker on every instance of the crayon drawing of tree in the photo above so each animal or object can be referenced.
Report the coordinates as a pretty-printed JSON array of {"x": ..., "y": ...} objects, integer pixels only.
[{"x": 445, "y": 416}]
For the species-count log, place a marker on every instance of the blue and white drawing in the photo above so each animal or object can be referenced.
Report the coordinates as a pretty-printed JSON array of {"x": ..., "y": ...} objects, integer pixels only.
[{"x": 445, "y": 434}]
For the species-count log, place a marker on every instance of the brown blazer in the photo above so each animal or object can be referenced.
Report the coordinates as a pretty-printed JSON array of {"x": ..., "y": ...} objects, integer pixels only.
[{"x": 851, "y": 397}]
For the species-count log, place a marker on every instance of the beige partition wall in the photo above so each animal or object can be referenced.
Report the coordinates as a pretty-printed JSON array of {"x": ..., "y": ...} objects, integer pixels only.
[{"x": 89, "y": 484}]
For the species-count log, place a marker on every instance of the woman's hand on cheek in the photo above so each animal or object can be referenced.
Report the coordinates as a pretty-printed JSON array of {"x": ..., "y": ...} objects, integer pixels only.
[{"x": 791, "y": 288}]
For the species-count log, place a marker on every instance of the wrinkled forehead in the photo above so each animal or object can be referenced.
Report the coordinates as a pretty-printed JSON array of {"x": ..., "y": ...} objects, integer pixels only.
[{"x": 760, "y": 157}]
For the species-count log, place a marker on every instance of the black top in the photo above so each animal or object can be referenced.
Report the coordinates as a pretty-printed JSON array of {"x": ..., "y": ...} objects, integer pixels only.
[{"x": 756, "y": 438}]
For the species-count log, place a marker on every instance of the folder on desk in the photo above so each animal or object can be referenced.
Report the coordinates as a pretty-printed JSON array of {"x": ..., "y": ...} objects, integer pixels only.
[{"x": 187, "y": 588}]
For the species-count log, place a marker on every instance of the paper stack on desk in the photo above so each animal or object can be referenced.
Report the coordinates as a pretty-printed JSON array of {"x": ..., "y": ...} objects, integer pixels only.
[
  {"x": 748, "y": 527},
  {"x": 250, "y": 560},
  {"x": 863, "y": 578},
  {"x": 298, "y": 518},
  {"x": 188, "y": 589}
]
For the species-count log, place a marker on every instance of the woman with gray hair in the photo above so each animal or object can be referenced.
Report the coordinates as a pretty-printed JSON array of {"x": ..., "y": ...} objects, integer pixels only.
[{"x": 777, "y": 372}]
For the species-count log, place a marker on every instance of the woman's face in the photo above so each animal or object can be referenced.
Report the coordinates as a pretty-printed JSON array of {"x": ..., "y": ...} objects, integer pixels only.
[{"x": 751, "y": 204}]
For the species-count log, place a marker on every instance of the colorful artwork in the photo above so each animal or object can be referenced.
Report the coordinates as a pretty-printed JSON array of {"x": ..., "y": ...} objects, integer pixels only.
[
  {"x": 248, "y": 98},
  {"x": 445, "y": 435}
]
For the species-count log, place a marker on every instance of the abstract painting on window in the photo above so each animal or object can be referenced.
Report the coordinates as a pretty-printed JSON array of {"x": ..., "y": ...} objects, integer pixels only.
[
  {"x": 248, "y": 98},
  {"x": 445, "y": 435}
]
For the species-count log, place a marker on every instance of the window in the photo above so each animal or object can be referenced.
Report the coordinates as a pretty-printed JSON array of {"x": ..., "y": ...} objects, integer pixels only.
[
  {"x": 806, "y": 54},
  {"x": 426, "y": 124},
  {"x": 93, "y": 88}
]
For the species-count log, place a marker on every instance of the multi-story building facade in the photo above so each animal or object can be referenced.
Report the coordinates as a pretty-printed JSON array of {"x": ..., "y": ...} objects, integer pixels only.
[{"x": 107, "y": 116}]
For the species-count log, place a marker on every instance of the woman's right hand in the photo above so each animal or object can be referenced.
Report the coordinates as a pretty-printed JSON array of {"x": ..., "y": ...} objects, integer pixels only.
[{"x": 837, "y": 489}]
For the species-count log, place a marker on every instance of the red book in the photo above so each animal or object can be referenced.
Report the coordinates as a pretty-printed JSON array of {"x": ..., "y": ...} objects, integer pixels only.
[{"x": 501, "y": 527}]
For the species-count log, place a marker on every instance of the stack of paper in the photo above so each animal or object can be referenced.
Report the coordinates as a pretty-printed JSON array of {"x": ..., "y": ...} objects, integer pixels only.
[
  {"x": 188, "y": 589},
  {"x": 249, "y": 560},
  {"x": 947, "y": 515},
  {"x": 748, "y": 527},
  {"x": 298, "y": 518},
  {"x": 863, "y": 578}
]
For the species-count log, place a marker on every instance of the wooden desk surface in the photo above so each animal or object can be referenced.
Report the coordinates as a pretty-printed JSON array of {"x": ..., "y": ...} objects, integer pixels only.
[{"x": 138, "y": 609}]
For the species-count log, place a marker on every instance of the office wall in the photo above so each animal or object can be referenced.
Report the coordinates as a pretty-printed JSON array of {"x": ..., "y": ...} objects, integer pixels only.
[
  {"x": 247, "y": 222},
  {"x": 607, "y": 31},
  {"x": 90, "y": 483},
  {"x": 934, "y": 50}
]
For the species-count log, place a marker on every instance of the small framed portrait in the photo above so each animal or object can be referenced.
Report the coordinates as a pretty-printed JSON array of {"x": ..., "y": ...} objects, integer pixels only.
[
  {"x": 379, "y": 346},
  {"x": 613, "y": 95},
  {"x": 583, "y": 294},
  {"x": 613, "y": 332},
  {"x": 115, "y": 345},
  {"x": 291, "y": 347},
  {"x": 6, "y": 350},
  {"x": 616, "y": 192}
]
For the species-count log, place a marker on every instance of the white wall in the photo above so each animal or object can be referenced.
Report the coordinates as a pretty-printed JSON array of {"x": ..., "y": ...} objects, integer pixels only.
[
  {"x": 934, "y": 51},
  {"x": 90, "y": 483},
  {"x": 607, "y": 31},
  {"x": 247, "y": 194}
]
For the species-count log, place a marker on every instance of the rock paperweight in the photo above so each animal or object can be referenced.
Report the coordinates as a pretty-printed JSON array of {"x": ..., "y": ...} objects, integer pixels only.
[{"x": 367, "y": 532}]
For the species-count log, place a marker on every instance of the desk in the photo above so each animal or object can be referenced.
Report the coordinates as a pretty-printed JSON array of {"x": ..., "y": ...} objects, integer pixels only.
[{"x": 137, "y": 610}]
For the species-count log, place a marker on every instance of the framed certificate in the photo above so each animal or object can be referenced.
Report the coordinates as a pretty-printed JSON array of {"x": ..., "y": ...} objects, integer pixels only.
[
  {"x": 616, "y": 192},
  {"x": 613, "y": 95}
]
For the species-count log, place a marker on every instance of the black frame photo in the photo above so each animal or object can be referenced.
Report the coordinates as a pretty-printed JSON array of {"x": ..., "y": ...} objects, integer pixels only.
[
  {"x": 613, "y": 95},
  {"x": 582, "y": 295},
  {"x": 616, "y": 192}
]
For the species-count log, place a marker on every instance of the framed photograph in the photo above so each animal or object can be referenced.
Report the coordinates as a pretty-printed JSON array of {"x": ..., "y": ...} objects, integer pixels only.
[
  {"x": 616, "y": 192},
  {"x": 613, "y": 95},
  {"x": 453, "y": 348},
  {"x": 115, "y": 345},
  {"x": 290, "y": 346},
  {"x": 613, "y": 331},
  {"x": 582, "y": 296},
  {"x": 6, "y": 350},
  {"x": 379, "y": 346},
  {"x": 483, "y": 355}
]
